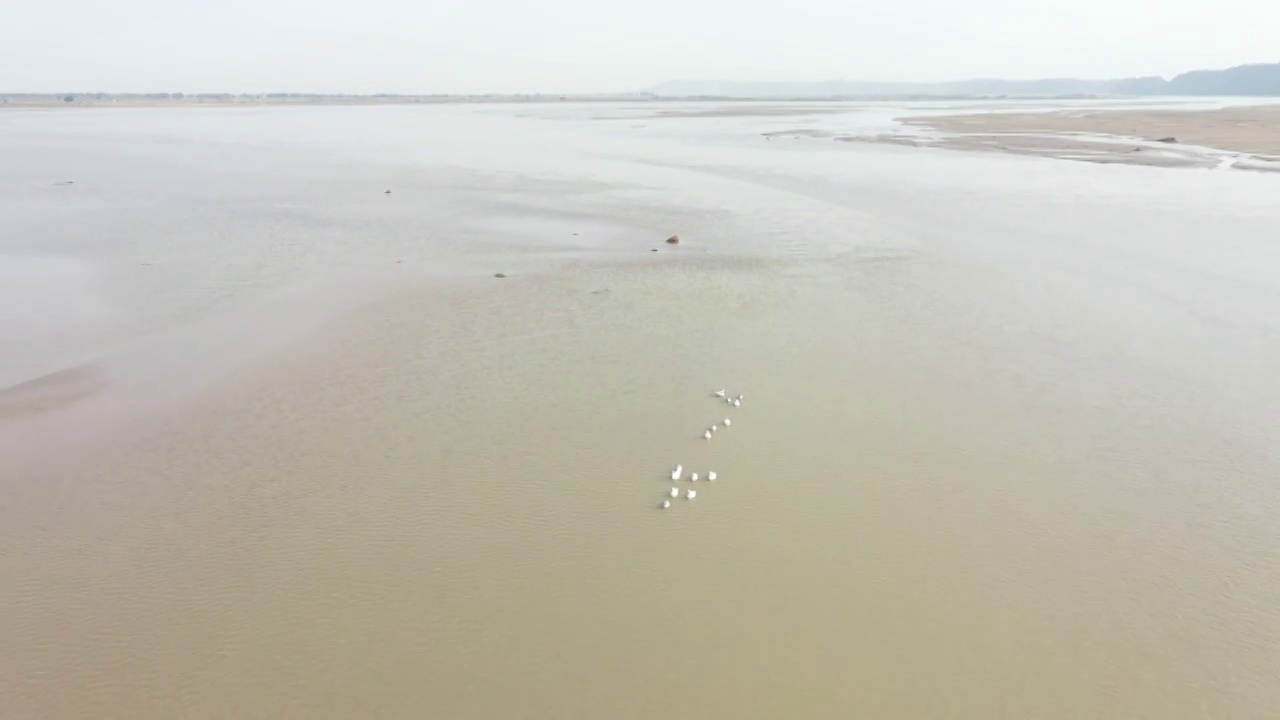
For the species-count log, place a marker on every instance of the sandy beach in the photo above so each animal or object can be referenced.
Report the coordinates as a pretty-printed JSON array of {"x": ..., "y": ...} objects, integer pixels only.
[
  {"x": 275, "y": 442},
  {"x": 1169, "y": 138}
]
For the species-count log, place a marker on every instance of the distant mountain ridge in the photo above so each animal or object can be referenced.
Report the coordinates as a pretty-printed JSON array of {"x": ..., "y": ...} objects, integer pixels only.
[{"x": 1254, "y": 79}]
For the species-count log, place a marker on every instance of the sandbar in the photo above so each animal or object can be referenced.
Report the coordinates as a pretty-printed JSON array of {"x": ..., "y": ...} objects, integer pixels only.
[{"x": 1237, "y": 137}]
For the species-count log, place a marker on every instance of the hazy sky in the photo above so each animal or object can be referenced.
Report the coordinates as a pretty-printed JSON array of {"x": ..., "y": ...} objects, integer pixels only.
[{"x": 595, "y": 45}]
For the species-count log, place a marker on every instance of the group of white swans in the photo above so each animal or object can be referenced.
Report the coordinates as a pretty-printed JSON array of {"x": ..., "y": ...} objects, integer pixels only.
[{"x": 710, "y": 432}]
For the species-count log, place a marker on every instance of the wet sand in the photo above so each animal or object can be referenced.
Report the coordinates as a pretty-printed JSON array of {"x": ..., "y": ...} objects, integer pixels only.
[
  {"x": 1129, "y": 137},
  {"x": 50, "y": 392},
  {"x": 1005, "y": 452}
]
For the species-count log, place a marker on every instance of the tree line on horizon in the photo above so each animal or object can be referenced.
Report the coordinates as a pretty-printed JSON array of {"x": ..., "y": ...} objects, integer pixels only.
[{"x": 1258, "y": 79}]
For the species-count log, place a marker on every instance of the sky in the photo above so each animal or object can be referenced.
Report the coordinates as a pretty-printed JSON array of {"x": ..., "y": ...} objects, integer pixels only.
[{"x": 573, "y": 46}]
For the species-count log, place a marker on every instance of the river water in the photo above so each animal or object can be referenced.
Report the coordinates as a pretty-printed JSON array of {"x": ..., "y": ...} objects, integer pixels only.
[{"x": 280, "y": 445}]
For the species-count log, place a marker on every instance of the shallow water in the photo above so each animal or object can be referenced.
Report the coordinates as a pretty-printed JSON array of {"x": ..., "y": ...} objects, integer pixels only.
[{"x": 1005, "y": 450}]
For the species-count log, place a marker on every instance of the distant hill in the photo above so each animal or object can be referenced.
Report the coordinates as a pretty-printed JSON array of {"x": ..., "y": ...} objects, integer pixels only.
[{"x": 1258, "y": 79}]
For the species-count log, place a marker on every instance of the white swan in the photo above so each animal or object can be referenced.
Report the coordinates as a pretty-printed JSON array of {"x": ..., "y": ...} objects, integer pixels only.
[
  {"x": 715, "y": 428},
  {"x": 740, "y": 397},
  {"x": 691, "y": 494},
  {"x": 711, "y": 475},
  {"x": 694, "y": 477},
  {"x": 736, "y": 403},
  {"x": 666, "y": 504},
  {"x": 675, "y": 474},
  {"x": 729, "y": 400},
  {"x": 675, "y": 492},
  {"x": 727, "y": 422},
  {"x": 706, "y": 435},
  {"x": 720, "y": 392}
]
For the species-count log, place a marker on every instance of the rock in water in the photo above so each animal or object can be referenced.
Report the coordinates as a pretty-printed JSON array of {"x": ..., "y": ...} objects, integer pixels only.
[
  {"x": 673, "y": 240},
  {"x": 1169, "y": 139},
  {"x": 499, "y": 275}
]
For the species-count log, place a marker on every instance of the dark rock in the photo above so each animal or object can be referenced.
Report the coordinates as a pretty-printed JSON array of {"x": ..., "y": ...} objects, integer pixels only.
[
  {"x": 673, "y": 240},
  {"x": 1170, "y": 139},
  {"x": 654, "y": 250},
  {"x": 499, "y": 275},
  {"x": 386, "y": 192}
]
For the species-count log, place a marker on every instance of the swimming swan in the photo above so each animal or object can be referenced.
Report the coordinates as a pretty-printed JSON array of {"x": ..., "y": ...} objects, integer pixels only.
[{"x": 675, "y": 474}]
